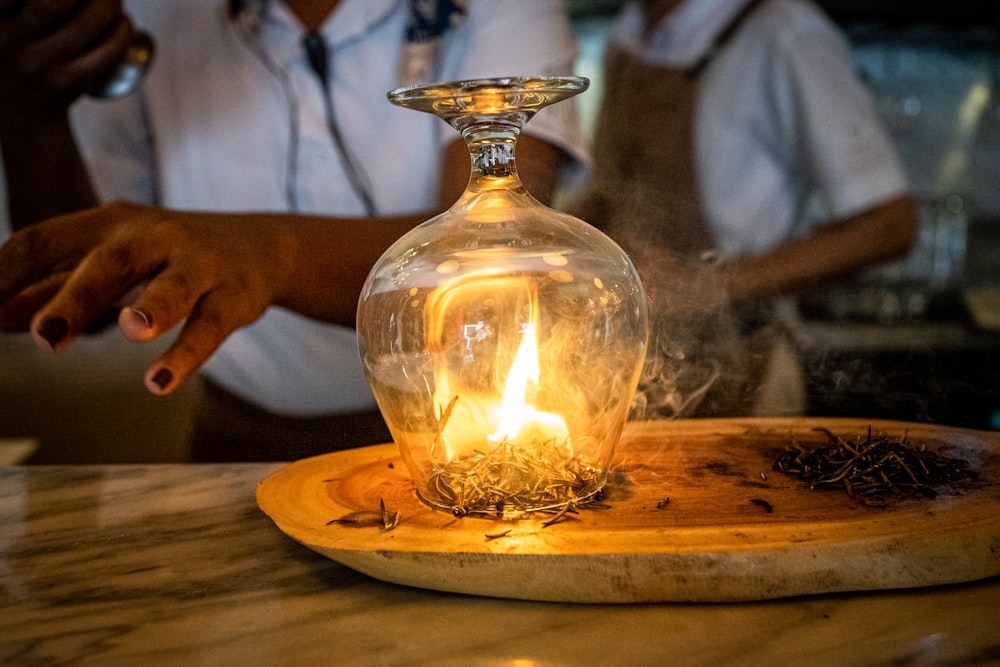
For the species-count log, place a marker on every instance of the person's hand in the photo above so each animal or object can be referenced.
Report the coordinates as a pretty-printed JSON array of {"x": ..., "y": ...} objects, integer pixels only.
[
  {"x": 51, "y": 51},
  {"x": 207, "y": 270}
]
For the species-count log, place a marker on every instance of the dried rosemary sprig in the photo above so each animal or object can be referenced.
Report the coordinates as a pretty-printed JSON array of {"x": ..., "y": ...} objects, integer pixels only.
[
  {"x": 382, "y": 518},
  {"x": 510, "y": 478},
  {"x": 873, "y": 467}
]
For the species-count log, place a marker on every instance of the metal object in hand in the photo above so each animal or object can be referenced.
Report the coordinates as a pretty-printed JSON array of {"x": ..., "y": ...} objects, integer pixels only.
[{"x": 131, "y": 70}]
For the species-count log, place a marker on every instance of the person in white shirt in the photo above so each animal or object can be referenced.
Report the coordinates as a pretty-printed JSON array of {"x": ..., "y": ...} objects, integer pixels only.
[
  {"x": 738, "y": 158},
  {"x": 275, "y": 107}
]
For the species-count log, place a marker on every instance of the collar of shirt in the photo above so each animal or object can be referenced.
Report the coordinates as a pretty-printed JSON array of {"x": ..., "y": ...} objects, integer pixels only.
[
  {"x": 682, "y": 38},
  {"x": 351, "y": 19}
]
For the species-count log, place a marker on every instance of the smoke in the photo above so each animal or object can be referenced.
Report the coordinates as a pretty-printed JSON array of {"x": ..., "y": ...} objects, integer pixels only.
[
  {"x": 706, "y": 354},
  {"x": 693, "y": 359},
  {"x": 672, "y": 386}
]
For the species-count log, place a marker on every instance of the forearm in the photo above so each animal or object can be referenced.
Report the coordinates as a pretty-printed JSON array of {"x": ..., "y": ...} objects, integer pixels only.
[
  {"x": 831, "y": 253},
  {"x": 51, "y": 53},
  {"x": 209, "y": 273},
  {"x": 45, "y": 174},
  {"x": 329, "y": 258},
  {"x": 326, "y": 262}
]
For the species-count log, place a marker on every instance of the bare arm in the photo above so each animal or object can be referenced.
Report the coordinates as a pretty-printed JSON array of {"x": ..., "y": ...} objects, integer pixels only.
[
  {"x": 830, "y": 253},
  {"x": 214, "y": 272},
  {"x": 879, "y": 234},
  {"x": 50, "y": 52},
  {"x": 539, "y": 166},
  {"x": 45, "y": 174}
]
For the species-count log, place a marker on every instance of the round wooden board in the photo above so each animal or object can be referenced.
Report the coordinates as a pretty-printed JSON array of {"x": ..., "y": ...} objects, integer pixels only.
[{"x": 695, "y": 513}]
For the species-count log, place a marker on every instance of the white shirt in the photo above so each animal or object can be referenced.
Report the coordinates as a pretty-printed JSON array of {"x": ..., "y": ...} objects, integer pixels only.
[
  {"x": 786, "y": 135},
  {"x": 223, "y": 110}
]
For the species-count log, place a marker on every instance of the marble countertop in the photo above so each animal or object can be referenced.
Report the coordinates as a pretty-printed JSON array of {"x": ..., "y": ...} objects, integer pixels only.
[{"x": 175, "y": 564}]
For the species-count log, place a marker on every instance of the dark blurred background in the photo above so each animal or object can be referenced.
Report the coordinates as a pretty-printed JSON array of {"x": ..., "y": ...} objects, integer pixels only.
[{"x": 918, "y": 339}]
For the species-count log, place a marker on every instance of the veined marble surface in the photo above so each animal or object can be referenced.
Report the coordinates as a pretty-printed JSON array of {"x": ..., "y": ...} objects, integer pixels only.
[{"x": 175, "y": 564}]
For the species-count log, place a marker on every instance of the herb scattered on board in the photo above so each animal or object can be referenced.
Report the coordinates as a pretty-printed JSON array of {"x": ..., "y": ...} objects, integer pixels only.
[
  {"x": 498, "y": 535},
  {"x": 760, "y": 502},
  {"x": 873, "y": 467},
  {"x": 382, "y": 518}
]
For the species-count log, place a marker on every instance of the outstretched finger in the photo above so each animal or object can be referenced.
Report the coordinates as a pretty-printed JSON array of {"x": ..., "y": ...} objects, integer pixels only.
[
  {"x": 16, "y": 313},
  {"x": 167, "y": 299},
  {"x": 25, "y": 258},
  {"x": 217, "y": 315},
  {"x": 93, "y": 288}
]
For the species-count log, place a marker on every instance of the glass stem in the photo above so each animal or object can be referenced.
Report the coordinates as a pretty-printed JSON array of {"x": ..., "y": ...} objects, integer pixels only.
[{"x": 491, "y": 148}]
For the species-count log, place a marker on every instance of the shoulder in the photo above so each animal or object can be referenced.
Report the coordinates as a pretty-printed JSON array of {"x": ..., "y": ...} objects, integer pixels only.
[
  {"x": 790, "y": 26},
  {"x": 791, "y": 16},
  {"x": 786, "y": 46}
]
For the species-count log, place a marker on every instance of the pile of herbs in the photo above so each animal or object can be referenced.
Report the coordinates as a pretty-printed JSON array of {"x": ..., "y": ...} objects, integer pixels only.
[{"x": 874, "y": 468}]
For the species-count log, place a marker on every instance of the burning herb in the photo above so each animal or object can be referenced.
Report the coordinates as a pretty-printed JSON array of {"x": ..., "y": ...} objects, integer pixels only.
[
  {"x": 873, "y": 467},
  {"x": 509, "y": 478}
]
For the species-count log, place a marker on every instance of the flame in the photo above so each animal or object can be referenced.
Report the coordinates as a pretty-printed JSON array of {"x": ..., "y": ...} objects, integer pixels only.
[
  {"x": 518, "y": 419},
  {"x": 472, "y": 415}
]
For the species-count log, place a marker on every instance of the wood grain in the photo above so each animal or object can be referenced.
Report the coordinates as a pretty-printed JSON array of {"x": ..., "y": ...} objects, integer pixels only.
[{"x": 695, "y": 513}]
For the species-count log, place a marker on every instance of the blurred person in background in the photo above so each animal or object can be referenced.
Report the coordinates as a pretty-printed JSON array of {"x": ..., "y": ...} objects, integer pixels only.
[
  {"x": 272, "y": 110},
  {"x": 737, "y": 158}
]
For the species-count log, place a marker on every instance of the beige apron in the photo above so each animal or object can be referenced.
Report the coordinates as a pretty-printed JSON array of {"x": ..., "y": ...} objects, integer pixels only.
[{"x": 644, "y": 193}]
